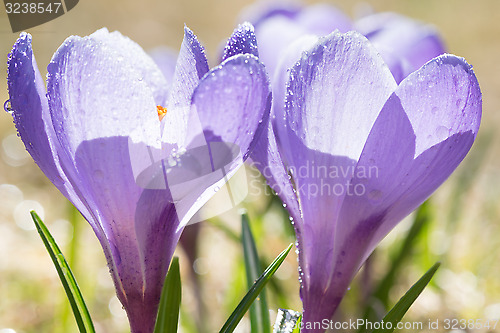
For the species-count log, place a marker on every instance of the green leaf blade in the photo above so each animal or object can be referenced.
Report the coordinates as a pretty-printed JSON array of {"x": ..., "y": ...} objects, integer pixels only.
[
  {"x": 168, "y": 312},
  {"x": 259, "y": 311},
  {"x": 252, "y": 294},
  {"x": 395, "y": 315},
  {"x": 67, "y": 278}
]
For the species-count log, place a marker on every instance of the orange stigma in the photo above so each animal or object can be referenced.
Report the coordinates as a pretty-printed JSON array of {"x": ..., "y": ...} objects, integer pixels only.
[{"x": 161, "y": 111}]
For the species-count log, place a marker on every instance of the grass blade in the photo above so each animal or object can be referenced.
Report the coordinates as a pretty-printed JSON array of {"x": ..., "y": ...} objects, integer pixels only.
[
  {"x": 398, "y": 311},
  {"x": 168, "y": 313},
  {"x": 68, "y": 281},
  {"x": 252, "y": 294},
  {"x": 259, "y": 312}
]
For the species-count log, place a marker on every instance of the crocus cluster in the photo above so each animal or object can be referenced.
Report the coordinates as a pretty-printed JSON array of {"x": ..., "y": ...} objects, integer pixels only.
[{"x": 364, "y": 127}]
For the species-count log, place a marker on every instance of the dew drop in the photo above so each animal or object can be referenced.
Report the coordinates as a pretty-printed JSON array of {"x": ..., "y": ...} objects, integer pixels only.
[
  {"x": 442, "y": 132},
  {"x": 375, "y": 195},
  {"x": 6, "y": 106},
  {"x": 98, "y": 175}
]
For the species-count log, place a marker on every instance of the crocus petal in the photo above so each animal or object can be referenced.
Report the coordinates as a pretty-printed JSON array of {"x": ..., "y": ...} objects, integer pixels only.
[
  {"x": 191, "y": 65},
  {"x": 336, "y": 91},
  {"x": 138, "y": 59},
  {"x": 443, "y": 104},
  {"x": 266, "y": 156},
  {"x": 31, "y": 114},
  {"x": 267, "y": 159},
  {"x": 403, "y": 42},
  {"x": 27, "y": 94},
  {"x": 323, "y": 19},
  {"x": 407, "y": 155},
  {"x": 166, "y": 59},
  {"x": 274, "y": 35},
  {"x": 262, "y": 10},
  {"x": 241, "y": 41},
  {"x": 290, "y": 56},
  {"x": 157, "y": 229},
  {"x": 232, "y": 103},
  {"x": 97, "y": 99},
  {"x": 95, "y": 107}
]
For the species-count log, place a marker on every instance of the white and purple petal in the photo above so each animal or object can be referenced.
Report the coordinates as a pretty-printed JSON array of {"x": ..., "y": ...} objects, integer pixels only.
[
  {"x": 101, "y": 104},
  {"x": 191, "y": 66},
  {"x": 232, "y": 104},
  {"x": 242, "y": 41}
]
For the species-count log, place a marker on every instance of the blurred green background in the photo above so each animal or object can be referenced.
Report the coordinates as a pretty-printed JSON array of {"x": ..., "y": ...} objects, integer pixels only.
[{"x": 464, "y": 228}]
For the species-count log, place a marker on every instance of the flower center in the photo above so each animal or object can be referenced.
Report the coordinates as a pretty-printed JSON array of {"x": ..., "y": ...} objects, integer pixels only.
[{"x": 161, "y": 111}]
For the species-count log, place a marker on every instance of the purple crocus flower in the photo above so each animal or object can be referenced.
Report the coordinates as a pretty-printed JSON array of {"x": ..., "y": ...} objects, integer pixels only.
[
  {"x": 404, "y": 44},
  {"x": 89, "y": 130},
  {"x": 351, "y": 153}
]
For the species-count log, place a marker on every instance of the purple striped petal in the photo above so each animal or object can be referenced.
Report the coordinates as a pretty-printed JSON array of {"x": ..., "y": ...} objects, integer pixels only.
[
  {"x": 233, "y": 101},
  {"x": 336, "y": 91},
  {"x": 232, "y": 105},
  {"x": 442, "y": 102},
  {"x": 30, "y": 107},
  {"x": 241, "y": 41},
  {"x": 423, "y": 132},
  {"x": 138, "y": 59},
  {"x": 266, "y": 156},
  {"x": 191, "y": 66},
  {"x": 100, "y": 104},
  {"x": 406, "y": 157},
  {"x": 32, "y": 118},
  {"x": 267, "y": 159}
]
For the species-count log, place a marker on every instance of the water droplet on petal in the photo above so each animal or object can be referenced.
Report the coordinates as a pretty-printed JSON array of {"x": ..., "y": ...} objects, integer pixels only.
[
  {"x": 375, "y": 195},
  {"x": 6, "y": 106},
  {"x": 98, "y": 175},
  {"x": 442, "y": 132}
]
